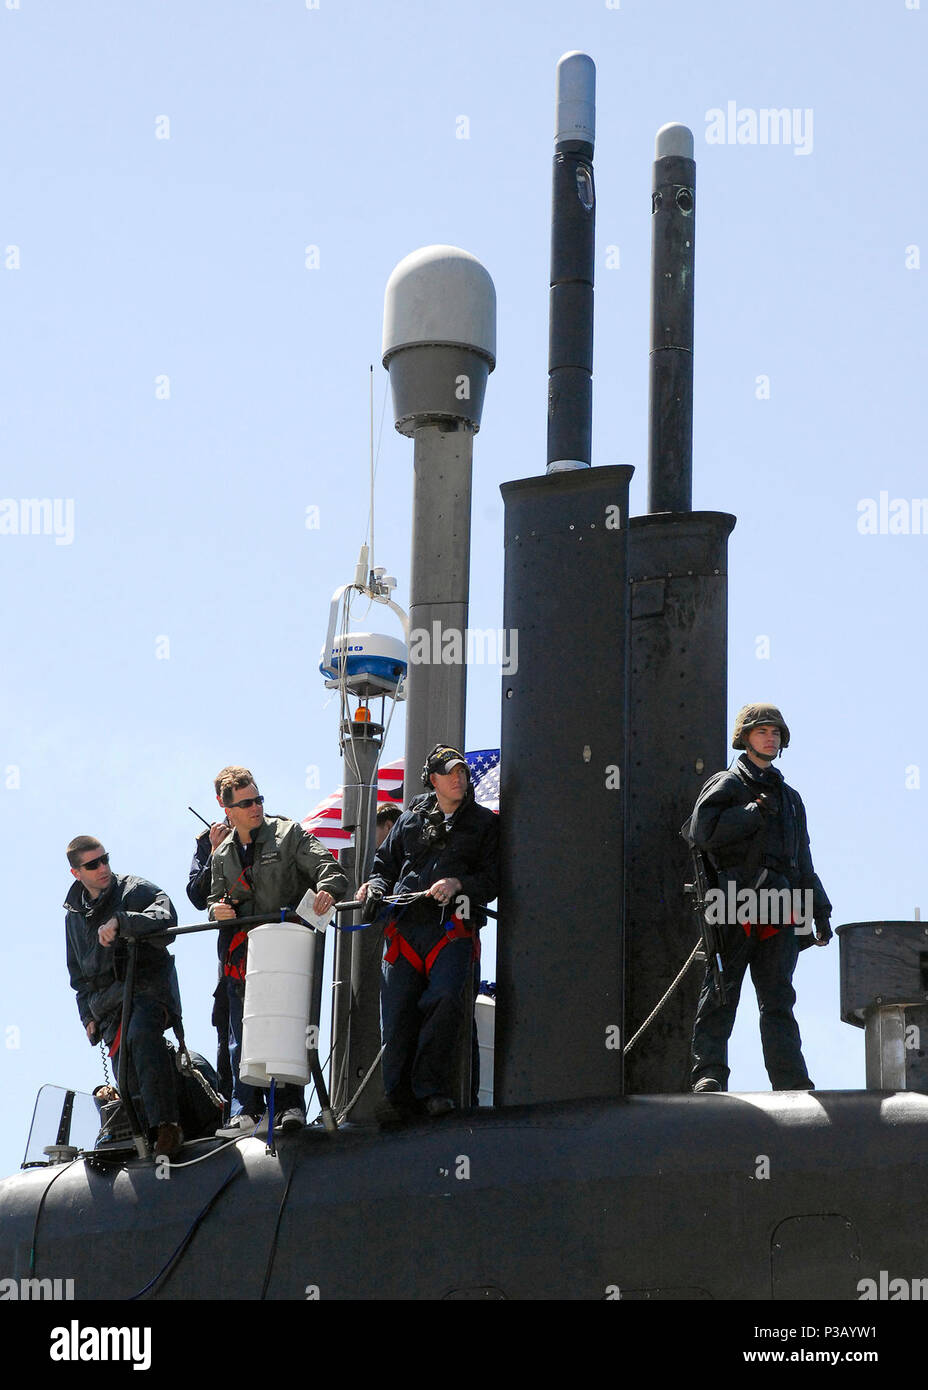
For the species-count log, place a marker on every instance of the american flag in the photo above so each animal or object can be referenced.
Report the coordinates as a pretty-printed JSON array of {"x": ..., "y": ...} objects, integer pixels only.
[
  {"x": 325, "y": 822},
  {"x": 484, "y": 773}
]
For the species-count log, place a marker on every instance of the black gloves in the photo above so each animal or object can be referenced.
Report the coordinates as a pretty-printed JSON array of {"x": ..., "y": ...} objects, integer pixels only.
[
  {"x": 372, "y": 904},
  {"x": 823, "y": 932}
]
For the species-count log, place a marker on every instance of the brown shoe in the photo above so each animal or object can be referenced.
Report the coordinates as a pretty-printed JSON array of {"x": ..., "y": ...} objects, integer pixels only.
[{"x": 169, "y": 1141}]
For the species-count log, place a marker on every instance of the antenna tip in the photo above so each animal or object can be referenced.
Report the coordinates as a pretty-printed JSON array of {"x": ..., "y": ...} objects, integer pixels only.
[
  {"x": 674, "y": 139},
  {"x": 575, "y": 101}
]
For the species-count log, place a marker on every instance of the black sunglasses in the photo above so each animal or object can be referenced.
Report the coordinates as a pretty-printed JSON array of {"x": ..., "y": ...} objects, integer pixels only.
[
  {"x": 95, "y": 863},
  {"x": 243, "y": 805}
]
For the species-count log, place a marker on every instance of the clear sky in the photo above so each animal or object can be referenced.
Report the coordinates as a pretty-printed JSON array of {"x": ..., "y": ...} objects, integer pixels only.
[{"x": 200, "y": 208}]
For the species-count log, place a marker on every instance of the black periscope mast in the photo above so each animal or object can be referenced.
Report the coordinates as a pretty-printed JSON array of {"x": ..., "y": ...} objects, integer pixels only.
[{"x": 586, "y": 1178}]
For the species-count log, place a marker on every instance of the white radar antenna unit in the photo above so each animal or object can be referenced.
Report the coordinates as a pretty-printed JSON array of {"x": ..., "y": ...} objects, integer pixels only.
[{"x": 365, "y": 664}]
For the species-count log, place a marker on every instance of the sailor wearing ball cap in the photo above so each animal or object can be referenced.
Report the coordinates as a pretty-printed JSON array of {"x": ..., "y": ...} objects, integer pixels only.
[{"x": 446, "y": 849}]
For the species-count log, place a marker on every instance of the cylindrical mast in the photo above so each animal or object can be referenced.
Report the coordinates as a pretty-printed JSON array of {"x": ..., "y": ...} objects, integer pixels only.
[
  {"x": 573, "y": 227},
  {"x": 673, "y": 224},
  {"x": 356, "y": 998},
  {"x": 439, "y": 345},
  {"x": 678, "y": 587},
  {"x": 439, "y": 586}
]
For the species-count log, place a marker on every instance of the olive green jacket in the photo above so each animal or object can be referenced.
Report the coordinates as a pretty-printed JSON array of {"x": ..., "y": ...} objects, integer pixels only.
[{"x": 288, "y": 861}]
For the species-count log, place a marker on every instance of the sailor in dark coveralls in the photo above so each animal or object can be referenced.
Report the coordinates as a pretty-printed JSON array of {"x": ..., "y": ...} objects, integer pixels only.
[
  {"x": 752, "y": 828},
  {"x": 446, "y": 846},
  {"x": 102, "y": 909}
]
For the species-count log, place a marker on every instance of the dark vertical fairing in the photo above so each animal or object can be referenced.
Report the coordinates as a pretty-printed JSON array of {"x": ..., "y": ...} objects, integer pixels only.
[
  {"x": 678, "y": 581},
  {"x": 673, "y": 224},
  {"x": 570, "y": 333},
  {"x": 559, "y": 954}
]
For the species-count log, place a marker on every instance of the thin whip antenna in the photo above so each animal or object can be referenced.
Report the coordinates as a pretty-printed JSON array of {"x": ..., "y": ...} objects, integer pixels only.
[
  {"x": 372, "y": 465},
  {"x": 375, "y": 455}
]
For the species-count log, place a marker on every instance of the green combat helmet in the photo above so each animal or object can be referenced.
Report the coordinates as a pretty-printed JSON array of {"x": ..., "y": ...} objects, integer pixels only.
[{"x": 748, "y": 718}]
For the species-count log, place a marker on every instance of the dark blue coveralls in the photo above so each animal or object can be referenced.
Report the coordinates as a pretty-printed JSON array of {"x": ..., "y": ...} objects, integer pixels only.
[
  {"x": 726, "y": 823},
  {"x": 427, "y": 953}
]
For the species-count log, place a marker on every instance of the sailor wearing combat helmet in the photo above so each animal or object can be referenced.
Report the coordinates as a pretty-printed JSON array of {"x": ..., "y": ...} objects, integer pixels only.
[{"x": 751, "y": 828}]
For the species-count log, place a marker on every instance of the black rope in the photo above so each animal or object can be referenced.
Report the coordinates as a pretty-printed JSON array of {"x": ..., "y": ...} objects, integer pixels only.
[
  {"x": 172, "y": 1259},
  {"x": 35, "y": 1226},
  {"x": 273, "y": 1250}
]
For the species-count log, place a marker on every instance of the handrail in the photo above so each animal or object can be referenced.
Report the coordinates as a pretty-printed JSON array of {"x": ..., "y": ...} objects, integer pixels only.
[{"x": 260, "y": 919}]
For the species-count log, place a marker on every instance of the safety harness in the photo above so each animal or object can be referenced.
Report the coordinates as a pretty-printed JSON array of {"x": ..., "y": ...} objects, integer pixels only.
[
  {"x": 397, "y": 945},
  {"x": 756, "y": 864},
  {"x": 234, "y": 964}
]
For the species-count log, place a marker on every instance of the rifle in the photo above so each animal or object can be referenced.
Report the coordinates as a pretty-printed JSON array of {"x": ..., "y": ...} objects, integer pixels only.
[{"x": 709, "y": 931}]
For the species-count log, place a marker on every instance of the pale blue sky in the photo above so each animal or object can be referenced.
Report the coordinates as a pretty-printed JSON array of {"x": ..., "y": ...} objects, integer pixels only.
[{"x": 336, "y": 127}]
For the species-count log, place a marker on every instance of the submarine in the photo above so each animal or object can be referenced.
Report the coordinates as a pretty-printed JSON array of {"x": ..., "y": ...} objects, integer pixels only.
[{"x": 594, "y": 1175}]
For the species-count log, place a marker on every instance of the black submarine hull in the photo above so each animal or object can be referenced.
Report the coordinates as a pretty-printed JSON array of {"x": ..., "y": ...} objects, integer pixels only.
[{"x": 786, "y": 1196}]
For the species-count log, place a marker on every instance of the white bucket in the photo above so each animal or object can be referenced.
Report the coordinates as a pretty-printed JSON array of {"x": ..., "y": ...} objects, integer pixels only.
[
  {"x": 276, "y": 1011},
  {"x": 485, "y": 1014}
]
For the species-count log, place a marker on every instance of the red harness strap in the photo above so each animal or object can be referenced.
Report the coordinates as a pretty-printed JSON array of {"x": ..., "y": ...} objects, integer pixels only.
[
  {"x": 235, "y": 967},
  {"x": 765, "y": 931},
  {"x": 397, "y": 946}
]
